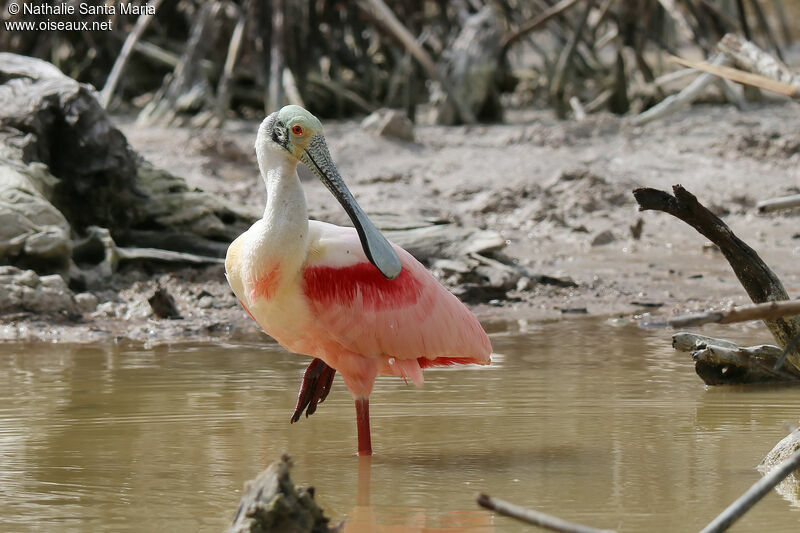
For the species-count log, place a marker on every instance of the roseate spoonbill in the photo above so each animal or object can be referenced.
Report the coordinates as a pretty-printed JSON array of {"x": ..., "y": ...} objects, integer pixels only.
[{"x": 346, "y": 296}]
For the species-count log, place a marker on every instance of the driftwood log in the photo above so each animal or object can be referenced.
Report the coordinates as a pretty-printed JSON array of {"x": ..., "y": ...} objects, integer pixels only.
[
  {"x": 720, "y": 362},
  {"x": 67, "y": 173},
  {"x": 760, "y": 282}
]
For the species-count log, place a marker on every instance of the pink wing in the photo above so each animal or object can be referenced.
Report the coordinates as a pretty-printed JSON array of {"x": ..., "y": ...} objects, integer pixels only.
[{"x": 410, "y": 317}]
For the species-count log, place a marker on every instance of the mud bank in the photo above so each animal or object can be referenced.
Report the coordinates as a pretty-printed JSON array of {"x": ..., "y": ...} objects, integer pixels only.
[{"x": 559, "y": 194}]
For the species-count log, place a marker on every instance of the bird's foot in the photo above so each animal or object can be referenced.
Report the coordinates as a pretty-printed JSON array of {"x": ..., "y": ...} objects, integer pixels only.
[{"x": 317, "y": 381}]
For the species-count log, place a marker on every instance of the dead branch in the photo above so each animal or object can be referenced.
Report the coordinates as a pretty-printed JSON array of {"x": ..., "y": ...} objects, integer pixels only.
[
  {"x": 765, "y": 311},
  {"x": 290, "y": 88},
  {"x": 536, "y": 518},
  {"x": 184, "y": 83},
  {"x": 783, "y": 20},
  {"x": 765, "y": 28},
  {"x": 142, "y": 23},
  {"x": 684, "y": 28},
  {"x": 753, "y": 495},
  {"x": 224, "y": 86},
  {"x": 776, "y": 204},
  {"x": 342, "y": 91},
  {"x": 382, "y": 12},
  {"x": 535, "y": 23},
  {"x": 684, "y": 98},
  {"x": 740, "y": 76},
  {"x": 562, "y": 72},
  {"x": 760, "y": 282},
  {"x": 274, "y": 98}
]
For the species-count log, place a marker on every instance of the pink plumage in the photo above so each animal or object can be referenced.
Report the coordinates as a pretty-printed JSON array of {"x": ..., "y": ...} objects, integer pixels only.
[
  {"x": 311, "y": 286},
  {"x": 408, "y": 318}
]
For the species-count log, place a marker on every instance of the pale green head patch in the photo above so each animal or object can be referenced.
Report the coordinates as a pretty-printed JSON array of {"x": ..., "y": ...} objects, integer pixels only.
[
  {"x": 293, "y": 115},
  {"x": 299, "y": 127}
]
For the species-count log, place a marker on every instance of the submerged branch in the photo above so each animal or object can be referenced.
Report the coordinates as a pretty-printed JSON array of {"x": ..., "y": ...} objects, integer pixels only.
[
  {"x": 759, "y": 489},
  {"x": 535, "y": 518}
]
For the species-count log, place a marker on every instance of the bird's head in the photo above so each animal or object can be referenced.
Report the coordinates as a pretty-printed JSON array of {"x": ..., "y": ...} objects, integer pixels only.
[
  {"x": 291, "y": 129},
  {"x": 294, "y": 132}
]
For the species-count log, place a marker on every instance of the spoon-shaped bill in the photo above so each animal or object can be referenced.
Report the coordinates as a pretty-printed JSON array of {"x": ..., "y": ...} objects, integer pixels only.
[{"x": 379, "y": 252}]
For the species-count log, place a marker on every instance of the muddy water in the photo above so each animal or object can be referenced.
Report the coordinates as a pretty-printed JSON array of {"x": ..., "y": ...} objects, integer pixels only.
[{"x": 598, "y": 423}]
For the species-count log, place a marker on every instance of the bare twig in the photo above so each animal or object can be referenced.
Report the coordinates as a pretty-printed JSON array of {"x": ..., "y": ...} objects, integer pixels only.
[
  {"x": 142, "y": 23},
  {"x": 740, "y": 76},
  {"x": 783, "y": 20},
  {"x": 275, "y": 82},
  {"x": 535, "y": 518},
  {"x": 536, "y": 23},
  {"x": 342, "y": 91},
  {"x": 224, "y": 86},
  {"x": 382, "y": 12},
  {"x": 680, "y": 21},
  {"x": 563, "y": 69},
  {"x": 290, "y": 88},
  {"x": 163, "y": 106},
  {"x": 743, "y": 19},
  {"x": 765, "y": 311},
  {"x": 759, "y": 489},
  {"x": 682, "y": 99},
  {"x": 776, "y": 204},
  {"x": 765, "y": 28}
]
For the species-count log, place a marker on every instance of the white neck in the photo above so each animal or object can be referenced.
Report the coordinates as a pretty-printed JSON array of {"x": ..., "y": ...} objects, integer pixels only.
[
  {"x": 285, "y": 220},
  {"x": 286, "y": 203}
]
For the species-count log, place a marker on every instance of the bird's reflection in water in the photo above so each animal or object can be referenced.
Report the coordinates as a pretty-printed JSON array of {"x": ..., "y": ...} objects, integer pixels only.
[{"x": 365, "y": 518}]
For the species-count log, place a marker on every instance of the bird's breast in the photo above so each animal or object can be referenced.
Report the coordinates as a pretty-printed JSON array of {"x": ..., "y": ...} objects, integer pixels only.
[{"x": 265, "y": 284}]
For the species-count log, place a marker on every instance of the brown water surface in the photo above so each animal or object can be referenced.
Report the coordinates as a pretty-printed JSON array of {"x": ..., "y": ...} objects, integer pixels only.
[{"x": 597, "y": 423}]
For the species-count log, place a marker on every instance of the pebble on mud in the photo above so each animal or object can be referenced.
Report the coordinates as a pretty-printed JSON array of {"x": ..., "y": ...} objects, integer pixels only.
[
  {"x": 86, "y": 302},
  {"x": 163, "y": 304},
  {"x": 603, "y": 238}
]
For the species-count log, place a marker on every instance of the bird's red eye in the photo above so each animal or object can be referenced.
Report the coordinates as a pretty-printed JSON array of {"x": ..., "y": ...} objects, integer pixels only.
[{"x": 297, "y": 130}]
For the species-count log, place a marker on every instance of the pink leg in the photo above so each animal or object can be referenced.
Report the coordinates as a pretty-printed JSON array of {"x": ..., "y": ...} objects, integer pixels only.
[
  {"x": 317, "y": 381},
  {"x": 362, "y": 419}
]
